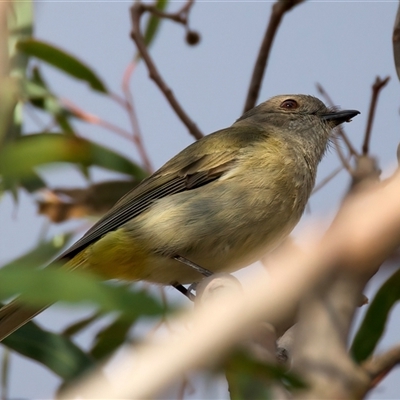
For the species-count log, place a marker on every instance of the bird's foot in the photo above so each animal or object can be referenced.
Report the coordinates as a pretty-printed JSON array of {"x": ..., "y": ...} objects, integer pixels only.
[{"x": 189, "y": 292}]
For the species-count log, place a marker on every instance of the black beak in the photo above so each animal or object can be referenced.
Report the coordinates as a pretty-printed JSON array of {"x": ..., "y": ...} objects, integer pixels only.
[{"x": 338, "y": 117}]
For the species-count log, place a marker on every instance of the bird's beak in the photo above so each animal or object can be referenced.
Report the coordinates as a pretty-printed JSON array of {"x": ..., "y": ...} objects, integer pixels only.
[{"x": 338, "y": 117}]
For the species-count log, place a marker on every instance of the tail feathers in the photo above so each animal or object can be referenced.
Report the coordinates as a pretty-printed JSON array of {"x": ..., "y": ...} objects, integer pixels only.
[{"x": 14, "y": 315}]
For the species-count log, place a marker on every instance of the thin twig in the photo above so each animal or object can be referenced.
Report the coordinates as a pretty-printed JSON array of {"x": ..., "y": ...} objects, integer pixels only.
[
  {"x": 137, "y": 11},
  {"x": 378, "y": 85},
  {"x": 180, "y": 16},
  {"x": 185, "y": 384},
  {"x": 340, "y": 130},
  {"x": 379, "y": 366},
  {"x": 327, "y": 179},
  {"x": 343, "y": 159},
  {"x": 278, "y": 11},
  {"x": 129, "y": 106},
  {"x": 95, "y": 120},
  {"x": 31, "y": 112}
]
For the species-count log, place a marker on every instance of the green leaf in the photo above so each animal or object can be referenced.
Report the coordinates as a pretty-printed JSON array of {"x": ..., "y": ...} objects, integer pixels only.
[
  {"x": 19, "y": 159},
  {"x": 80, "y": 325},
  {"x": 111, "y": 338},
  {"x": 31, "y": 183},
  {"x": 251, "y": 379},
  {"x": 105, "y": 158},
  {"x": 373, "y": 325},
  {"x": 40, "y": 287},
  {"x": 63, "y": 61},
  {"x": 153, "y": 23},
  {"x": 43, "y": 253},
  {"x": 54, "y": 351}
]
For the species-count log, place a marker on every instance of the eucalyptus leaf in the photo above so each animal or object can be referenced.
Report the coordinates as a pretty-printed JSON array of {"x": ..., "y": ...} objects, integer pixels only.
[
  {"x": 40, "y": 287},
  {"x": 153, "y": 23},
  {"x": 80, "y": 325},
  {"x": 54, "y": 351},
  {"x": 251, "y": 379},
  {"x": 19, "y": 159},
  {"x": 63, "y": 61},
  {"x": 375, "y": 319},
  {"x": 112, "y": 337}
]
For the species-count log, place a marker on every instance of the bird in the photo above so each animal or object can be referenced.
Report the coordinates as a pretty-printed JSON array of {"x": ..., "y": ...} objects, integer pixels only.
[{"x": 220, "y": 204}]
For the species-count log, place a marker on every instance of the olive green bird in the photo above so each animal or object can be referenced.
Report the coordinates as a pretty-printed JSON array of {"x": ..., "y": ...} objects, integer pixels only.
[{"x": 221, "y": 203}]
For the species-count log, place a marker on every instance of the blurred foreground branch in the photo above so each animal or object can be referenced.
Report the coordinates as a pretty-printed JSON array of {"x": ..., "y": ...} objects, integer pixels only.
[{"x": 362, "y": 236}]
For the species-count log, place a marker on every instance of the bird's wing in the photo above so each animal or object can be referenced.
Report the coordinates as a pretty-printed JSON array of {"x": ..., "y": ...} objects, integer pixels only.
[{"x": 201, "y": 171}]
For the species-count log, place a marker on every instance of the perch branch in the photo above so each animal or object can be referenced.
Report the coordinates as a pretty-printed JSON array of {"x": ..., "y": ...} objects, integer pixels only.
[{"x": 363, "y": 235}]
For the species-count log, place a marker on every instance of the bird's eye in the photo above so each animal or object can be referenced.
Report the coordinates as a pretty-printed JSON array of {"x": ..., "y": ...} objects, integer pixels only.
[{"x": 289, "y": 104}]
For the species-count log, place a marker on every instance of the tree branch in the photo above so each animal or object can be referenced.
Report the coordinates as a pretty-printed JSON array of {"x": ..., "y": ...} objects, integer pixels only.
[
  {"x": 278, "y": 11},
  {"x": 378, "y": 85},
  {"x": 137, "y": 11}
]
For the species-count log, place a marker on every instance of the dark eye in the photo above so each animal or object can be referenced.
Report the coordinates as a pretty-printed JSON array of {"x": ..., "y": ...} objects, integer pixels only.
[{"x": 289, "y": 104}]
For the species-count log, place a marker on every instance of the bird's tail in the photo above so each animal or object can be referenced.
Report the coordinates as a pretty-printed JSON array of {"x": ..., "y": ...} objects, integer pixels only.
[{"x": 14, "y": 315}]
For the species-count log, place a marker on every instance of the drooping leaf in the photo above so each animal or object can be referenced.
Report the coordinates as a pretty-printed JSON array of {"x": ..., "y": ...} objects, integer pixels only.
[
  {"x": 153, "y": 23},
  {"x": 31, "y": 183},
  {"x": 374, "y": 322},
  {"x": 111, "y": 338},
  {"x": 80, "y": 325},
  {"x": 54, "y": 351},
  {"x": 63, "y": 61},
  {"x": 19, "y": 159},
  {"x": 251, "y": 379},
  {"x": 41, "y": 287},
  {"x": 108, "y": 159}
]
